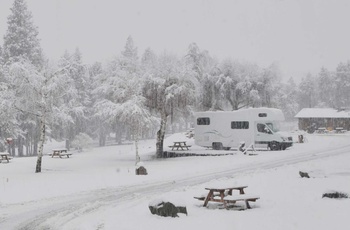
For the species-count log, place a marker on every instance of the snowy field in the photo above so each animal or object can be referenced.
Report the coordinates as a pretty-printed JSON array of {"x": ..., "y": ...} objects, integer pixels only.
[{"x": 98, "y": 188}]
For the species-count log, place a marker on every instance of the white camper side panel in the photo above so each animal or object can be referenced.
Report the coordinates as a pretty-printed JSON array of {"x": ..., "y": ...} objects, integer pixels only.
[
  {"x": 231, "y": 128},
  {"x": 217, "y": 127}
]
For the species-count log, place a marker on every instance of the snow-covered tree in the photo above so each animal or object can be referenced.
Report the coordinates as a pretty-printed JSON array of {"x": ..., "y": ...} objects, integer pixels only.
[
  {"x": 96, "y": 127},
  {"x": 243, "y": 89},
  {"x": 21, "y": 39},
  {"x": 82, "y": 141},
  {"x": 326, "y": 88},
  {"x": 78, "y": 100},
  {"x": 200, "y": 60},
  {"x": 134, "y": 113},
  {"x": 343, "y": 85},
  {"x": 148, "y": 60},
  {"x": 268, "y": 84},
  {"x": 8, "y": 115},
  {"x": 169, "y": 89},
  {"x": 307, "y": 92},
  {"x": 118, "y": 94},
  {"x": 39, "y": 93},
  {"x": 286, "y": 99},
  {"x": 129, "y": 59},
  {"x": 21, "y": 42},
  {"x": 1, "y": 60},
  {"x": 233, "y": 85},
  {"x": 228, "y": 87},
  {"x": 202, "y": 64}
]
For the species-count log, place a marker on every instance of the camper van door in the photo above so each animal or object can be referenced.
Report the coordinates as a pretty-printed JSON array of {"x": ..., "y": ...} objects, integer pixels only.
[{"x": 263, "y": 135}]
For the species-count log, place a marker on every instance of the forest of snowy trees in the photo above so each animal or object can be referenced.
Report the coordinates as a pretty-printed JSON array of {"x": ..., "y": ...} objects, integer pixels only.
[{"x": 135, "y": 95}]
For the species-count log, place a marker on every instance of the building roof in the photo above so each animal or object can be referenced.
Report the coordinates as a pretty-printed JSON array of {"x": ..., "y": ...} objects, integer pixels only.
[{"x": 322, "y": 113}]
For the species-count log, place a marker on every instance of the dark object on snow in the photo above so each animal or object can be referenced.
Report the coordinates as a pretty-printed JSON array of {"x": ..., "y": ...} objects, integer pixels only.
[
  {"x": 304, "y": 174},
  {"x": 166, "y": 209},
  {"x": 242, "y": 147},
  {"x": 141, "y": 171},
  {"x": 301, "y": 138},
  {"x": 335, "y": 195}
]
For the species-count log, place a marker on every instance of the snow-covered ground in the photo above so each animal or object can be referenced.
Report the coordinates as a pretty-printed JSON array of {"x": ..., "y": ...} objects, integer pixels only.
[{"x": 98, "y": 188}]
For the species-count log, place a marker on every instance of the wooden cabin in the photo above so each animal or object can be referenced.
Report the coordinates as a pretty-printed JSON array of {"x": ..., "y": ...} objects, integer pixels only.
[{"x": 311, "y": 119}]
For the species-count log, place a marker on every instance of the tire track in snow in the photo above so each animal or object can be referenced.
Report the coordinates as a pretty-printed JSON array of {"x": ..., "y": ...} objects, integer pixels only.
[{"x": 55, "y": 213}]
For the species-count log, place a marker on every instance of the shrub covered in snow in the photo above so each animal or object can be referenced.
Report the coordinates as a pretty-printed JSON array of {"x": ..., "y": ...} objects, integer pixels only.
[
  {"x": 336, "y": 195},
  {"x": 82, "y": 140}
]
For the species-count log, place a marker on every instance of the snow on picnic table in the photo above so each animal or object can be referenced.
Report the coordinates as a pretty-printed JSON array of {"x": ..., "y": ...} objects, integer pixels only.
[{"x": 286, "y": 200}]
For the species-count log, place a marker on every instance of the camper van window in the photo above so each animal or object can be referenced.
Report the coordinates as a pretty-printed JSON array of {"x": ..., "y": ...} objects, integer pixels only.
[
  {"x": 270, "y": 125},
  {"x": 262, "y": 114},
  {"x": 239, "y": 125},
  {"x": 203, "y": 121},
  {"x": 262, "y": 128}
]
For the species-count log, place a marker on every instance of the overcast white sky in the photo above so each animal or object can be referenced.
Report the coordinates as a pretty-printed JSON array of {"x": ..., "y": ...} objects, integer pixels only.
[{"x": 300, "y": 35}]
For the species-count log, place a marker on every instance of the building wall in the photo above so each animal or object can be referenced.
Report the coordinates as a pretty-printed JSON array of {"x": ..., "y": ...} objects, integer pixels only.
[{"x": 311, "y": 124}]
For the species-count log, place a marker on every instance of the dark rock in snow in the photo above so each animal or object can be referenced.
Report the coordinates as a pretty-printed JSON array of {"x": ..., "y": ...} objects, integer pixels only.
[
  {"x": 335, "y": 195},
  {"x": 141, "y": 171},
  {"x": 166, "y": 209},
  {"x": 304, "y": 174}
]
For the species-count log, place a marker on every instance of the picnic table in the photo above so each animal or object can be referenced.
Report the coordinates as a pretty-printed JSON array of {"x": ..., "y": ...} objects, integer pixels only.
[
  {"x": 179, "y": 145},
  {"x": 226, "y": 196},
  {"x": 60, "y": 153},
  {"x": 5, "y": 156},
  {"x": 339, "y": 130},
  {"x": 322, "y": 130}
]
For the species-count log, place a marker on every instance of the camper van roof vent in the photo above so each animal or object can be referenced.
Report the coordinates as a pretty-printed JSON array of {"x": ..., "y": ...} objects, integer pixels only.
[{"x": 262, "y": 114}]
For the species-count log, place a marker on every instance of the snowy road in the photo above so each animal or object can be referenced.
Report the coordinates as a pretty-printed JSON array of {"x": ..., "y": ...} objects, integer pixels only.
[{"x": 60, "y": 212}]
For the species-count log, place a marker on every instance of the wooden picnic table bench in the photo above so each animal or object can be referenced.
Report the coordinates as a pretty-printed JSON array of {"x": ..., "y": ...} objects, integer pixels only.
[
  {"x": 244, "y": 197},
  {"x": 5, "y": 156},
  {"x": 180, "y": 145},
  {"x": 340, "y": 130},
  {"x": 321, "y": 130},
  {"x": 60, "y": 153},
  {"x": 226, "y": 196}
]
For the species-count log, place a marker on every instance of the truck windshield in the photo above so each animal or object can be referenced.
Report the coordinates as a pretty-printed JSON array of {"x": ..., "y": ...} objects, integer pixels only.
[{"x": 273, "y": 126}]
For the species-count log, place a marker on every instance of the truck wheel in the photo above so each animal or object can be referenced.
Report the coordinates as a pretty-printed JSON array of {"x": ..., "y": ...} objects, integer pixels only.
[
  {"x": 227, "y": 148},
  {"x": 217, "y": 146},
  {"x": 275, "y": 146}
]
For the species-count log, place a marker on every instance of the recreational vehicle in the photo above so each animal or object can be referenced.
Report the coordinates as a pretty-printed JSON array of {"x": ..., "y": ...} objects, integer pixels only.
[{"x": 257, "y": 127}]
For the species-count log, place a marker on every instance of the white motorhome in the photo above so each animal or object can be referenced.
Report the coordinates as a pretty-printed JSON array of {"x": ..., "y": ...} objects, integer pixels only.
[{"x": 254, "y": 126}]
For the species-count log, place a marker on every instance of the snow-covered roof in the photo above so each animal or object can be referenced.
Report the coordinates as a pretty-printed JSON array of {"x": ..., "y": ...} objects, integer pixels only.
[{"x": 323, "y": 113}]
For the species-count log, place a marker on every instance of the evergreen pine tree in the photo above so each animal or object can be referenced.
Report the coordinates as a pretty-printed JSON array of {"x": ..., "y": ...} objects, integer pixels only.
[
  {"x": 21, "y": 39},
  {"x": 342, "y": 79},
  {"x": 307, "y": 92},
  {"x": 326, "y": 87},
  {"x": 129, "y": 58},
  {"x": 1, "y": 59}
]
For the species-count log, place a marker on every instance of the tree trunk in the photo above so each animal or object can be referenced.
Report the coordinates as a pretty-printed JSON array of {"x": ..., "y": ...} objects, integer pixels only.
[
  {"x": 136, "y": 134},
  {"x": 20, "y": 146},
  {"x": 9, "y": 148},
  {"x": 137, "y": 158},
  {"x": 13, "y": 146},
  {"x": 160, "y": 135},
  {"x": 102, "y": 135},
  {"x": 35, "y": 148},
  {"x": 119, "y": 133},
  {"x": 27, "y": 144},
  {"x": 67, "y": 144},
  {"x": 41, "y": 144}
]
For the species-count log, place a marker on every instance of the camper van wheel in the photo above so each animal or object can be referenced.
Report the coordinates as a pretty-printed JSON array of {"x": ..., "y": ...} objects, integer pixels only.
[
  {"x": 283, "y": 147},
  {"x": 217, "y": 146},
  {"x": 274, "y": 146}
]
